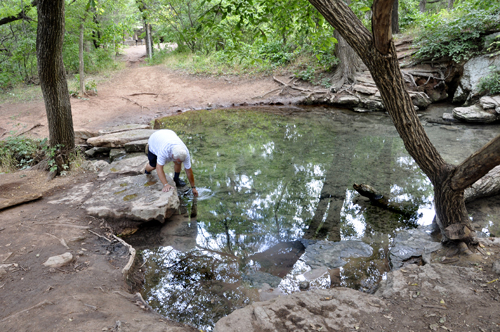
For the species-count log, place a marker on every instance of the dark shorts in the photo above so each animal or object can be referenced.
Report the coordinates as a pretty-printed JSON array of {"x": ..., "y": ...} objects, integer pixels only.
[{"x": 152, "y": 159}]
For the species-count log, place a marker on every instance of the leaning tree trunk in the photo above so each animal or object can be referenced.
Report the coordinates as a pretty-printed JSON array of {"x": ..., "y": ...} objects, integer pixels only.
[
  {"x": 49, "y": 43},
  {"x": 379, "y": 55}
]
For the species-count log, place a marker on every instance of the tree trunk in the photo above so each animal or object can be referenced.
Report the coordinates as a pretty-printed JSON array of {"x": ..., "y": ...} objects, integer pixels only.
[
  {"x": 395, "y": 17},
  {"x": 82, "y": 64},
  {"x": 49, "y": 43},
  {"x": 450, "y": 4},
  {"x": 379, "y": 55},
  {"x": 349, "y": 63},
  {"x": 149, "y": 51},
  {"x": 422, "y": 5}
]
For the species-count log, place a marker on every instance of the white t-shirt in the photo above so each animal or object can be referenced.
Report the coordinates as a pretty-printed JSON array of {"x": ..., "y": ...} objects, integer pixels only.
[{"x": 161, "y": 144}]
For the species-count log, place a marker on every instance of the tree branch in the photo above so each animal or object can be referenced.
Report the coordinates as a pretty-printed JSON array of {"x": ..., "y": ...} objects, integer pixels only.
[
  {"x": 381, "y": 25},
  {"x": 477, "y": 165},
  {"x": 21, "y": 16}
]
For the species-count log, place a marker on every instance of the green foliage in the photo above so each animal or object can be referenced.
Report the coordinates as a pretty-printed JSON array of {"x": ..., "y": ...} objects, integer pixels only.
[
  {"x": 17, "y": 47},
  {"x": 20, "y": 152},
  {"x": 306, "y": 75},
  {"x": 490, "y": 84},
  {"x": 457, "y": 34}
]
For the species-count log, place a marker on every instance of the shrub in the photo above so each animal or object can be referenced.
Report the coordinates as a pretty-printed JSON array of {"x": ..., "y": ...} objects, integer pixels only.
[
  {"x": 458, "y": 34},
  {"x": 490, "y": 84}
]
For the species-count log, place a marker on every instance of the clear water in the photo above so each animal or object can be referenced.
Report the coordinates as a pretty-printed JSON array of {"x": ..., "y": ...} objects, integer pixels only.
[{"x": 267, "y": 178}]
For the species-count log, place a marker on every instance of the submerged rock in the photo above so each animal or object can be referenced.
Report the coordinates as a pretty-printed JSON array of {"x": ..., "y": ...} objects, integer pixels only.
[{"x": 330, "y": 254}]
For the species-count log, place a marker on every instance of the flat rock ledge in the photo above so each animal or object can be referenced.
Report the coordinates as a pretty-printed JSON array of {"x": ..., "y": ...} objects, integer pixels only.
[
  {"x": 124, "y": 193},
  {"x": 121, "y": 138},
  {"x": 334, "y": 309},
  {"x": 136, "y": 197}
]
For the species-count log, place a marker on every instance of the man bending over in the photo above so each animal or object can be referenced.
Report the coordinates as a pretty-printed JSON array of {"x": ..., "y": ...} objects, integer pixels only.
[{"x": 165, "y": 146}]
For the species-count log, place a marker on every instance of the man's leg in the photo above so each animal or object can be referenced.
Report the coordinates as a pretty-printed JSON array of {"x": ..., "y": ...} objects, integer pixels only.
[
  {"x": 151, "y": 165},
  {"x": 177, "y": 171}
]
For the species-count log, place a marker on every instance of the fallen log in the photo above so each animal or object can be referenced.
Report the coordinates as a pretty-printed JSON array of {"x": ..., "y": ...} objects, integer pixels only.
[
  {"x": 9, "y": 202},
  {"x": 488, "y": 185},
  {"x": 379, "y": 199}
]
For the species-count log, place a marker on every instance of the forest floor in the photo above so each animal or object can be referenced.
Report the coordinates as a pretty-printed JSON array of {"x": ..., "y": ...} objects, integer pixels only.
[{"x": 90, "y": 293}]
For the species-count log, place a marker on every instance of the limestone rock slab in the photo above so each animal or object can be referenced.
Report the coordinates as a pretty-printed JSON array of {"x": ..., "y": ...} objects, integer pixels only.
[
  {"x": 475, "y": 113},
  {"x": 121, "y": 138},
  {"x": 137, "y": 198},
  {"x": 125, "y": 127},
  {"x": 488, "y": 102},
  {"x": 336, "y": 309},
  {"x": 132, "y": 165}
]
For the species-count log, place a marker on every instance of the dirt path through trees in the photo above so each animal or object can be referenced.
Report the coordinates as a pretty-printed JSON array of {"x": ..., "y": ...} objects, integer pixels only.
[{"x": 139, "y": 94}]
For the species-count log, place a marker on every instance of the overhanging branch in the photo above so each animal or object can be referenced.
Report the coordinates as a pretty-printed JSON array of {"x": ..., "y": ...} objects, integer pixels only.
[
  {"x": 21, "y": 16},
  {"x": 381, "y": 25},
  {"x": 477, "y": 165}
]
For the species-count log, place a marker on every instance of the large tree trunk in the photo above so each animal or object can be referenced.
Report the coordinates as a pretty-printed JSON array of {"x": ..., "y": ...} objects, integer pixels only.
[
  {"x": 49, "y": 43},
  {"x": 379, "y": 55},
  {"x": 349, "y": 63}
]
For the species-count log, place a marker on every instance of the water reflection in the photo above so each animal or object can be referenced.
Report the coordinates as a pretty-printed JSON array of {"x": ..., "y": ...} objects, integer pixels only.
[{"x": 266, "y": 180}]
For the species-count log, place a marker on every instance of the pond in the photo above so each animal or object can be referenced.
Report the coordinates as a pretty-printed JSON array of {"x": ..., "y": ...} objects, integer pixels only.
[{"x": 273, "y": 180}]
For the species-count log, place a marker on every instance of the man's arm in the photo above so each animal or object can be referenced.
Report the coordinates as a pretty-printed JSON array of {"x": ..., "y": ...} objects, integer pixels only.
[
  {"x": 190, "y": 176},
  {"x": 163, "y": 178}
]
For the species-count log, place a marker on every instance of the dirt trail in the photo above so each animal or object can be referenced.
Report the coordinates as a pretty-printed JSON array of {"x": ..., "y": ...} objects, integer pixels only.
[{"x": 139, "y": 94}]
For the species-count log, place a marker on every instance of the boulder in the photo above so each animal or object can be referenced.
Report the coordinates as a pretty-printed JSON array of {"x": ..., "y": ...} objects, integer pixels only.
[
  {"x": 121, "y": 138},
  {"x": 412, "y": 243},
  {"x": 138, "y": 198},
  {"x": 59, "y": 260},
  {"x": 475, "y": 113},
  {"x": 474, "y": 70},
  {"x": 488, "y": 102}
]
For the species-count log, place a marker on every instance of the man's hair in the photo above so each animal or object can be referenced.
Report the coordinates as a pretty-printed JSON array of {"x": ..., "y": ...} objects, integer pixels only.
[{"x": 179, "y": 152}]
